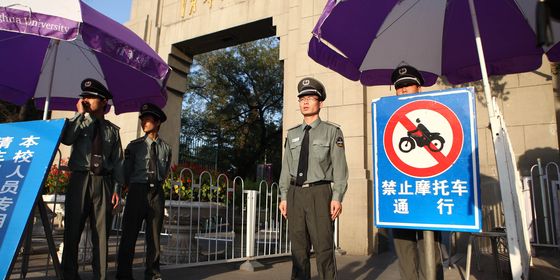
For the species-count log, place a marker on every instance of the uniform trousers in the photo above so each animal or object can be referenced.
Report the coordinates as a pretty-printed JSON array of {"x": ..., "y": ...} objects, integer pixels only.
[
  {"x": 310, "y": 223},
  {"x": 409, "y": 247},
  {"x": 142, "y": 203},
  {"x": 87, "y": 195}
]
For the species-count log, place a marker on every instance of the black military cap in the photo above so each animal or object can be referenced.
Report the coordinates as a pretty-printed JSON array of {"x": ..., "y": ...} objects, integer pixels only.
[
  {"x": 155, "y": 111},
  {"x": 310, "y": 86},
  {"x": 92, "y": 87},
  {"x": 406, "y": 74}
]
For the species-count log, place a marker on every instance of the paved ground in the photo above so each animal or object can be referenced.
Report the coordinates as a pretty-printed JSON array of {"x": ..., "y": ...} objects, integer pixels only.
[{"x": 384, "y": 266}]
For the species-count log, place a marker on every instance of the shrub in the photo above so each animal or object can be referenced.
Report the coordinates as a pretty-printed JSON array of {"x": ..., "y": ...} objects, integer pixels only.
[
  {"x": 57, "y": 179},
  {"x": 176, "y": 188}
]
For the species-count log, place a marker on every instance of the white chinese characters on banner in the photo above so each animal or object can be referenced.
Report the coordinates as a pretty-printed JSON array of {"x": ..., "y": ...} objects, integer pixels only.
[
  {"x": 438, "y": 188},
  {"x": 9, "y": 187},
  {"x": 16, "y": 170},
  {"x": 27, "y": 150},
  {"x": 4, "y": 144},
  {"x": 5, "y": 203}
]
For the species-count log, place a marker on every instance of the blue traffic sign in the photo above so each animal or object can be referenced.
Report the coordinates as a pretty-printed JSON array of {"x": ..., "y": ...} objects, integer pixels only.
[
  {"x": 425, "y": 161},
  {"x": 26, "y": 153}
]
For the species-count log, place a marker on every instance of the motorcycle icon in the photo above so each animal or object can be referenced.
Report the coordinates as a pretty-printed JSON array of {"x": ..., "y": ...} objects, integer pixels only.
[{"x": 421, "y": 137}]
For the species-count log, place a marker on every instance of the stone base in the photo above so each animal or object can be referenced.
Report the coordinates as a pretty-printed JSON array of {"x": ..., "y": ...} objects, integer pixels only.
[
  {"x": 252, "y": 266},
  {"x": 339, "y": 252},
  {"x": 85, "y": 248},
  {"x": 179, "y": 248},
  {"x": 171, "y": 255}
]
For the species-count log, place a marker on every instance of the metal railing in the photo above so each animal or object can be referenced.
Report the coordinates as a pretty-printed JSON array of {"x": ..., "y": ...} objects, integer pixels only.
[
  {"x": 207, "y": 221},
  {"x": 211, "y": 227},
  {"x": 541, "y": 191}
]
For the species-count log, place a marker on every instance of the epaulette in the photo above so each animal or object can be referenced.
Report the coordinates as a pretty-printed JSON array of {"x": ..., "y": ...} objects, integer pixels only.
[
  {"x": 333, "y": 124},
  {"x": 112, "y": 124},
  {"x": 138, "y": 140},
  {"x": 165, "y": 143},
  {"x": 294, "y": 127}
]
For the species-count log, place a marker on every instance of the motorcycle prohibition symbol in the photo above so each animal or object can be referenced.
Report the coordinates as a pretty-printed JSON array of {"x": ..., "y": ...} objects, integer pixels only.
[{"x": 421, "y": 137}]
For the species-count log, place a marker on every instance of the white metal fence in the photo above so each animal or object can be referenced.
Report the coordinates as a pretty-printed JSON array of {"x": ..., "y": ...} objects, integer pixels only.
[
  {"x": 541, "y": 192},
  {"x": 208, "y": 219},
  {"x": 216, "y": 219}
]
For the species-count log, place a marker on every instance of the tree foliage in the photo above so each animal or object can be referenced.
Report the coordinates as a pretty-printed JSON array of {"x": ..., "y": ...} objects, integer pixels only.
[
  {"x": 234, "y": 105},
  {"x": 14, "y": 113}
]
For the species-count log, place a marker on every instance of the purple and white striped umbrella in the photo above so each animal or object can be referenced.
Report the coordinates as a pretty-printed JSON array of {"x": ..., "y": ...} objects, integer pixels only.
[
  {"x": 365, "y": 40},
  {"x": 47, "y": 49}
]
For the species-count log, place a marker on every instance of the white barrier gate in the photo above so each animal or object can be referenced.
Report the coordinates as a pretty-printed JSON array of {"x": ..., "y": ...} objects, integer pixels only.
[{"x": 216, "y": 223}]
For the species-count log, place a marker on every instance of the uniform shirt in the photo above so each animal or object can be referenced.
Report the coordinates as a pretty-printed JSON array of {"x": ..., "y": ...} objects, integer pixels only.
[
  {"x": 327, "y": 160},
  {"x": 137, "y": 157},
  {"x": 79, "y": 134}
]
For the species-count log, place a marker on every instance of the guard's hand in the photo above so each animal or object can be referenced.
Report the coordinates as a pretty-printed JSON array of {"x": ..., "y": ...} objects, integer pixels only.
[
  {"x": 80, "y": 106},
  {"x": 336, "y": 209},
  {"x": 115, "y": 200},
  {"x": 283, "y": 206}
]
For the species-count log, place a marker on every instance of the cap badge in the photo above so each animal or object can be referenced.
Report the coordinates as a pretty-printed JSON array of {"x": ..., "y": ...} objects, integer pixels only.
[
  {"x": 87, "y": 83},
  {"x": 402, "y": 71},
  {"x": 305, "y": 82},
  {"x": 145, "y": 107}
]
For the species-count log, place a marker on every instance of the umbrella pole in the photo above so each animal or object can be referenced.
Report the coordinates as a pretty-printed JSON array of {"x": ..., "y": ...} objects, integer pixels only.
[
  {"x": 518, "y": 244},
  {"x": 48, "y": 99}
]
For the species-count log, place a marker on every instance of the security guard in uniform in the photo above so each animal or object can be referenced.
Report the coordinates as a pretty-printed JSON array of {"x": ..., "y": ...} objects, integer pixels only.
[
  {"x": 312, "y": 183},
  {"x": 409, "y": 243},
  {"x": 147, "y": 164},
  {"x": 96, "y": 164}
]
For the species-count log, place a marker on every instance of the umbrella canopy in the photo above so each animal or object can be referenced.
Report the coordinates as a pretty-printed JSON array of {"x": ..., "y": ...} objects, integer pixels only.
[
  {"x": 47, "y": 50},
  {"x": 365, "y": 40}
]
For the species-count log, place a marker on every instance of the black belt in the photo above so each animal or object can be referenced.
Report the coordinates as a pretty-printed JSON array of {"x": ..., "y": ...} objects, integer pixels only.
[
  {"x": 154, "y": 184},
  {"x": 103, "y": 173},
  {"x": 307, "y": 185},
  {"x": 150, "y": 185}
]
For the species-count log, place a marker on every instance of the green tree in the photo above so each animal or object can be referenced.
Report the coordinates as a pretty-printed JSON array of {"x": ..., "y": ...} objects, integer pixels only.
[
  {"x": 234, "y": 103},
  {"x": 13, "y": 113}
]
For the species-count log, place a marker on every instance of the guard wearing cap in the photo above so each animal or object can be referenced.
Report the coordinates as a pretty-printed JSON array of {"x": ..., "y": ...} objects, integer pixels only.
[
  {"x": 312, "y": 183},
  {"x": 407, "y": 79},
  {"x": 409, "y": 243},
  {"x": 93, "y": 190},
  {"x": 146, "y": 165}
]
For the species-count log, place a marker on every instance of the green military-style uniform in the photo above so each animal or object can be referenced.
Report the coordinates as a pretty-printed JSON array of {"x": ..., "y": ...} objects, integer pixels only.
[
  {"x": 145, "y": 200},
  {"x": 309, "y": 204},
  {"x": 137, "y": 155},
  {"x": 327, "y": 161},
  {"x": 87, "y": 194},
  {"x": 410, "y": 243}
]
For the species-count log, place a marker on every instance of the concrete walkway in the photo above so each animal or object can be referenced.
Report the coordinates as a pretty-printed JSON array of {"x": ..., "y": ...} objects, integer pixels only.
[{"x": 382, "y": 266}]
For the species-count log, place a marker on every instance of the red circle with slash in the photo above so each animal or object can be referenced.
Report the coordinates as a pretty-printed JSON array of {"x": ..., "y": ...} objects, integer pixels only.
[{"x": 442, "y": 161}]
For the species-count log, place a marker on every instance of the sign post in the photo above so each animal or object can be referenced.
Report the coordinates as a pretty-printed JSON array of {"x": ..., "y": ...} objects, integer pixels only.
[
  {"x": 425, "y": 161},
  {"x": 426, "y": 165},
  {"x": 26, "y": 153}
]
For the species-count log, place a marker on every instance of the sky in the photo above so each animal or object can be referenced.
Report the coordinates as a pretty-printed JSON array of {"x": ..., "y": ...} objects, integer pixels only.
[{"x": 118, "y": 10}]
